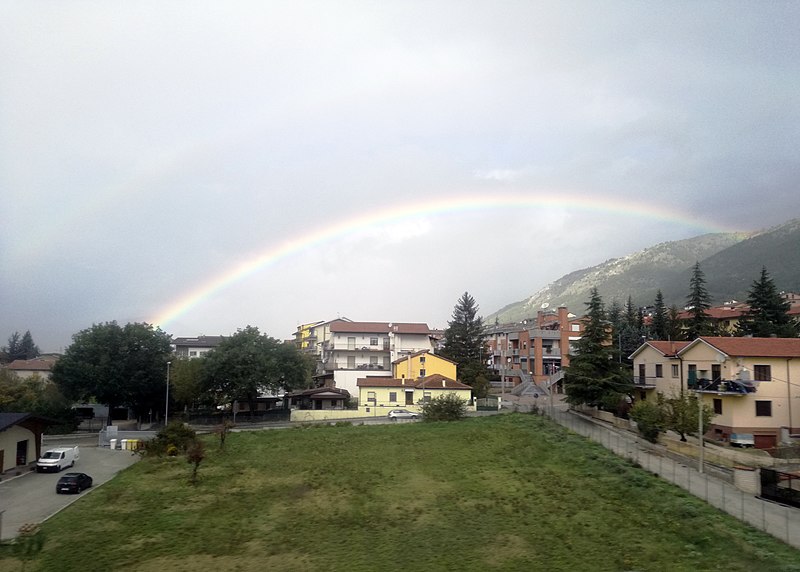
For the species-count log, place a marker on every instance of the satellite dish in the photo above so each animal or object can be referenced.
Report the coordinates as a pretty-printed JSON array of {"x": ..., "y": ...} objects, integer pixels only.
[{"x": 545, "y": 305}]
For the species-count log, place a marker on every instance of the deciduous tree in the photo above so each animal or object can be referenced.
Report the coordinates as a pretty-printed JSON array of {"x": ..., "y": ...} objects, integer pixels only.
[
  {"x": 249, "y": 364},
  {"x": 117, "y": 366}
]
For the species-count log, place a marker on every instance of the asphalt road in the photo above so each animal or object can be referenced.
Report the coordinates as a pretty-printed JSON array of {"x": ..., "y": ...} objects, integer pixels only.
[{"x": 32, "y": 497}]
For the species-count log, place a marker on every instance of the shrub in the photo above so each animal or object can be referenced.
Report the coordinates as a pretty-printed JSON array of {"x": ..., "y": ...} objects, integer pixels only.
[
  {"x": 650, "y": 418},
  {"x": 447, "y": 407},
  {"x": 176, "y": 435}
]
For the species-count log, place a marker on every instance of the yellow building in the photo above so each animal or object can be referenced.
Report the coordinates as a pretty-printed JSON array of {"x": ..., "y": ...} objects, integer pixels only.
[
  {"x": 378, "y": 395},
  {"x": 422, "y": 364},
  {"x": 657, "y": 369}
]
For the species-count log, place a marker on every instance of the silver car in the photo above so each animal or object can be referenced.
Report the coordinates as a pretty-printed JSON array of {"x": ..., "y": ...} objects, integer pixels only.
[{"x": 396, "y": 414}]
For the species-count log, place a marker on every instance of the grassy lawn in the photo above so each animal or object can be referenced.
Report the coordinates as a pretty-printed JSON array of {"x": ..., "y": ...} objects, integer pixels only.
[{"x": 511, "y": 492}]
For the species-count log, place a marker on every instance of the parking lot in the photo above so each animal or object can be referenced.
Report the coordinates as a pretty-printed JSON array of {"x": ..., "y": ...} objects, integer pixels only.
[{"x": 32, "y": 496}]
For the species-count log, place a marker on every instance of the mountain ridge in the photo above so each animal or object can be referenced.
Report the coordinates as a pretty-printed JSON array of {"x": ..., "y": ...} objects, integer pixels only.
[{"x": 730, "y": 263}]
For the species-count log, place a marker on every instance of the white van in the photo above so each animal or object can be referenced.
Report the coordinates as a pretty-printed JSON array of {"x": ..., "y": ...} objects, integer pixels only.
[{"x": 57, "y": 459}]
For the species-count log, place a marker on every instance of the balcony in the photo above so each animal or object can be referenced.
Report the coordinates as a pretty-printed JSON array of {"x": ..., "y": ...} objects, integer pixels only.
[
  {"x": 332, "y": 365},
  {"x": 642, "y": 382},
  {"x": 545, "y": 334},
  {"x": 721, "y": 386}
]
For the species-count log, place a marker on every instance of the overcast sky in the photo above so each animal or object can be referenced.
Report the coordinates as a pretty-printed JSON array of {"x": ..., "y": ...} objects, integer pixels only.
[{"x": 149, "y": 149}]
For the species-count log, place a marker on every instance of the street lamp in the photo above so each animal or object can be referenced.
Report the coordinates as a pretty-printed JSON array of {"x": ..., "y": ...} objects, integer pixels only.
[{"x": 166, "y": 406}]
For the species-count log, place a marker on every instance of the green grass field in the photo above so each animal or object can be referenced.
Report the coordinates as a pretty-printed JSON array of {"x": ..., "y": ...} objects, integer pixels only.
[{"x": 512, "y": 492}]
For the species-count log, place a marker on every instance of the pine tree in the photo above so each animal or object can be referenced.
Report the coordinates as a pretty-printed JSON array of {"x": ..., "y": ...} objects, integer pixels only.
[
  {"x": 658, "y": 328},
  {"x": 465, "y": 341},
  {"x": 768, "y": 313},
  {"x": 674, "y": 323},
  {"x": 698, "y": 302},
  {"x": 28, "y": 349},
  {"x": 593, "y": 376}
]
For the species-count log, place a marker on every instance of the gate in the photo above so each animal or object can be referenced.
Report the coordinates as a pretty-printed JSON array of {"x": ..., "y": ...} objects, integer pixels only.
[{"x": 780, "y": 487}]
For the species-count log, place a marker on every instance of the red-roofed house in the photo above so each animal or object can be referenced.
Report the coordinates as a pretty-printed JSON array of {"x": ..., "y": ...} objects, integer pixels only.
[
  {"x": 656, "y": 368},
  {"x": 41, "y": 366},
  {"x": 753, "y": 384},
  {"x": 379, "y": 394}
]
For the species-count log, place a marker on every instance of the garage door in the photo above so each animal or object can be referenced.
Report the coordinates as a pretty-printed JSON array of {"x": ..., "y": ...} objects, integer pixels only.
[{"x": 765, "y": 441}]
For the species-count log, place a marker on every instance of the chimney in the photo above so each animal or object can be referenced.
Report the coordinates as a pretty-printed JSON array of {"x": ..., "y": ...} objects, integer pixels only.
[{"x": 444, "y": 382}]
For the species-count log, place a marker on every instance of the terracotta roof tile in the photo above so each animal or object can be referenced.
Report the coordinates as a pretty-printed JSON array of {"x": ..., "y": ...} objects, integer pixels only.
[
  {"x": 429, "y": 382},
  {"x": 753, "y": 347},
  {"x": 667, "y": 348},
  {"x": 379, "y": 327}
]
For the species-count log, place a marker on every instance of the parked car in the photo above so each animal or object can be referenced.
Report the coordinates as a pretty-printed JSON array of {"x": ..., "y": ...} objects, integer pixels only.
[
  {"x": 73, "y": 483},
  {"x": 396, "y": 414},
  {"x": 58, "y": 458}
]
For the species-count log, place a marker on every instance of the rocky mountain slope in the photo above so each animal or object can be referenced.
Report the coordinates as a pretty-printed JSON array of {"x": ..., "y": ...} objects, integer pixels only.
[{"x": 730, "y": 262}]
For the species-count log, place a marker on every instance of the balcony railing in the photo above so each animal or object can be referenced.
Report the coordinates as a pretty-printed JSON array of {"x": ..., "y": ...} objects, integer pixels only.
[
  {"x": 331, "y": 365},
  {"x": 721, "y": 386},
  {"x": 643, "y": 382},
  {"x": 545, "y": 334}
]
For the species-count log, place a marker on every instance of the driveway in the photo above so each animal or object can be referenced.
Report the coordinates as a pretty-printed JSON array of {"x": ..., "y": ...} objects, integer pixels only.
[{"x": 32, "y": 497}]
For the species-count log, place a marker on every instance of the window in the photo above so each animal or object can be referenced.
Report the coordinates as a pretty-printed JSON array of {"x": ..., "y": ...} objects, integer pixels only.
[
  {"x": 193, "y": 354},
  {"x": 675, "y": 370},
  {"x": 718, "y": 406},
  {"x": 426, "y": 397},
  {"x": 659, "y": 370},
  {"x": 422, "y": 359},
  {"x": 422, "y": 373},
  {"x": 373, "y": 341},
  {"x": 763, "y": 409},
  {"x": 575, "y": 327},
  {"x": 371, "y": 397},
  {"x": 373, "y": 360},
  {"x": 762, "y": 373},
  {"x": 393, "y": 396}
]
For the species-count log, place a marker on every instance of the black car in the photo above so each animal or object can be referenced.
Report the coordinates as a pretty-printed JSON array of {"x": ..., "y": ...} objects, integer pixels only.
[{"x": 73, "y": 483}]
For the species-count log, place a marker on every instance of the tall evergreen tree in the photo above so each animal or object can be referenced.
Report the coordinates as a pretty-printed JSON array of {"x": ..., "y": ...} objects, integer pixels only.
[
  {"x": 768, "y": 314},
  {"x": 465, "y": 341},
  {"x": 658, "y": 327},
  {"x": 632, "y": 332},
  {"x": 593, "y": 376},
  {"x": 674, "y": 324},
  {"x": 28, "y": 349},
  {"x": 698, "y": 302}
]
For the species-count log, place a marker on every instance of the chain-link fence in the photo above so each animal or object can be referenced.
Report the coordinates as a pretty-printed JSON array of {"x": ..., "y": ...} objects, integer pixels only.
[{"x": 780, "y": 521}]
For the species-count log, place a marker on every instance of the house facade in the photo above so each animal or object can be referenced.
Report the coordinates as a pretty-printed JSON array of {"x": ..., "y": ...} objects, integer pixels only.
[
  {"x": 20, "y": 439},
  {"x": 356, "y": 349},
  {"x": 39, "y": 366},
  {"x": 378, "y": 395},
  {"x": 657, "y": 369},
  {"x": 752, "y": 384},
  {"x": 195, "y": 347},
  {"x": 536, "y": 348},
  {"x": 421, "y": 364}
]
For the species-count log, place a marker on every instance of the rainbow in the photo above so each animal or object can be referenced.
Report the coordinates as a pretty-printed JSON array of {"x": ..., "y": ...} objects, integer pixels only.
[{"x": 409, "y": 210}]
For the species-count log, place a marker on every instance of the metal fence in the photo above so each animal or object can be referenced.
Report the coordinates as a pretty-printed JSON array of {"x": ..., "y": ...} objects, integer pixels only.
[{"x": 782, "y": 522}]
